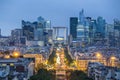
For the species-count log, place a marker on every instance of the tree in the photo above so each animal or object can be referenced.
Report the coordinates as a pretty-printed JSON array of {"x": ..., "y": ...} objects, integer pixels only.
[
  {"x": 6, "y": 52},
  {"x": 68, "y": 60},
  {"x": 51, "y": 59},
  {"x": 43, "y": 74},
  {"x": 40, "y": 66},
  {"x": 79, "y": 75}
]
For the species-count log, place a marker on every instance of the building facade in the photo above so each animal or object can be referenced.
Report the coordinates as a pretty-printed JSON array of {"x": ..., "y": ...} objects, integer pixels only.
[
  {"x": 28, "y": 30},
  {"x": 73, "y": 27},
  {"x": 16, "y": 34},
  {"x": 38, "y": 31}
]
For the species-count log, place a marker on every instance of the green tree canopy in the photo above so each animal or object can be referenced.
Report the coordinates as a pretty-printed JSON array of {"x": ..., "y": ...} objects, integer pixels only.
[
  {"x": 79, "y": 75},
  {"x": 43, "y": 74}
]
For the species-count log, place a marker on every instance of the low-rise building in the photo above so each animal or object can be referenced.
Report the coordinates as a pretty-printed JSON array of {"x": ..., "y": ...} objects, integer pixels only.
[
  {"x": 19, "y": 68},
  {"x": 98, "y": 71},
  {"x": 82, "y": 62}
]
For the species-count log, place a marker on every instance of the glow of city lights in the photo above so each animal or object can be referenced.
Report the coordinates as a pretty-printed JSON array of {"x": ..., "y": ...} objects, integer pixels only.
[
  {"x": 113, "y": 58},
  {"x": 11, "y": 64},
  {"x": 58, "y": 59},
  {"x": 98, "y": 55},
  {"x": 4, "y": 64},
  {"x": 58, "y": 49},
  {"x": 7, "y": 56},
  {"x": 16, "y": 54}
]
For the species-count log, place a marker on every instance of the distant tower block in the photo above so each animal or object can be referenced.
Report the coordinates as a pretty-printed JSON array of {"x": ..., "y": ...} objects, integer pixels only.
[
  {"x": 0, "y": 32},
  {"x": 60, "y": 34}
]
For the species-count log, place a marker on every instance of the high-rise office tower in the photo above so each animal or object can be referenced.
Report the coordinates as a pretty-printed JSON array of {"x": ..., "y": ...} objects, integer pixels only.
[
  {"x": 49, "y": 37},
  {"x": 47, "y": 25},
  {"x": 101, "y": 27},
  {"x": 80, "y": 32},
  {"x": 28, "y": 30},
  {"x": 73, "y": 27},
  {"x": 39, "y": 29},
  {"x": 117, "y": 32},
  {"x": 87, "y": 29},
  {"x": 81, "y": 17},
  {"x": 110, "y": 35},
  {"x": 92, "y": 30},
  {"x": 117, "y": 24},
  {"x": 36, "y": 31},
  {"x": 0, "y": 32},
  {"x": 16, "y": 34},
  {"x": 83, "y": 27},
  {"x": 41, "y": 20}
]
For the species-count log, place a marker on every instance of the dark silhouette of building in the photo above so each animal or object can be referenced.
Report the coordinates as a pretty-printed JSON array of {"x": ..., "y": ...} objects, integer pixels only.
[
  {"x": 28, "y": 30},
  {"x": 73, "y": 27}
]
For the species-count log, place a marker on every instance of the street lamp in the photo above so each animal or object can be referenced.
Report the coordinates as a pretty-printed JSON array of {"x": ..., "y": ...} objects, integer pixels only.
[
  {"x": 7, "y": 56},
  {"x": 98, "y": 56},
  {"x": 112, "y": 60},
  {"x": 16, "y": 54}
]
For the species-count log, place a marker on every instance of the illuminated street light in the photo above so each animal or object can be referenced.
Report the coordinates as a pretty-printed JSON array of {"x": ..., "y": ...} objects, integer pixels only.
[
  {"x": 16, "y": 54},
  {"x": 98, "y": 55},
  {"x": 113, "y": 58},
  {"x": 7, "y": 56}
]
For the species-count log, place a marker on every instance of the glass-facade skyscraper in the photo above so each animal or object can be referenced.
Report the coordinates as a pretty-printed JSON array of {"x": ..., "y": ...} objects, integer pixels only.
[
  {"x": 0, "y": 32},
  {"x": 117, "y": 32},
  {"x": 83, "y": 27},
  {"x": 80, "y": 33},
  {"x": 100, "y": 29},
  {"x": 81, "y": 17},
  {"x": 73, "y": 27},
  {"x": 28, "y": 30},
  {"x": 38, "y": 30}
]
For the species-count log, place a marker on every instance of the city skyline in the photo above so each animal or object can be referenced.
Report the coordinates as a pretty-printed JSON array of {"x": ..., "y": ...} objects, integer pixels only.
[
  {"x": 59, "y": 40},
  {"x": 59, "y": 12}
]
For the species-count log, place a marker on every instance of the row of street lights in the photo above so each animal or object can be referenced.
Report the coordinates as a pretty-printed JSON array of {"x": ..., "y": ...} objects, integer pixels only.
[
  {"x": 110, "y": 62},
  {"x": 15, "y": 54}
]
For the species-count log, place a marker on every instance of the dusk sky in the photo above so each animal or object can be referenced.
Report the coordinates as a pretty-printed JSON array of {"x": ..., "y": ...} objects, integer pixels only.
[{"x": 58, "y": 11}]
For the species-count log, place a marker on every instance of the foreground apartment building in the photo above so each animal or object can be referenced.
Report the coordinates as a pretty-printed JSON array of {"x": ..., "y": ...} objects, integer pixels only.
[{"x": 98, "y": 71}]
